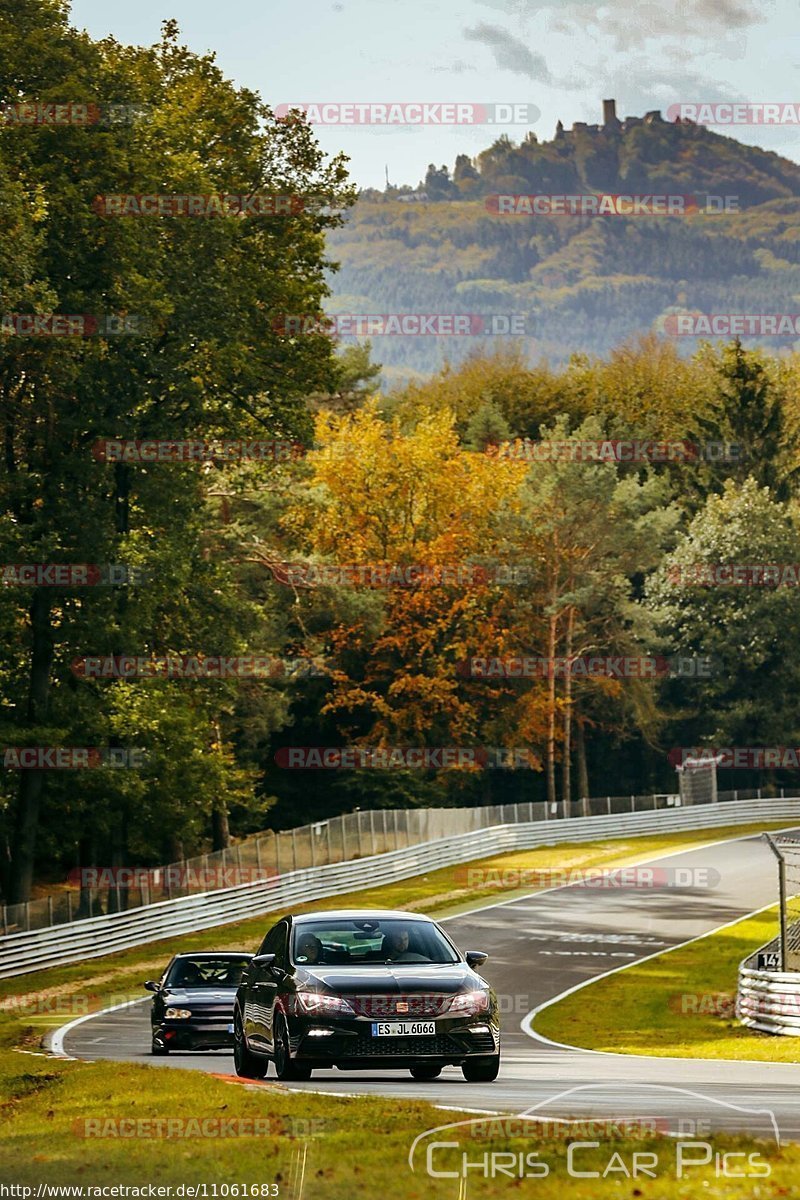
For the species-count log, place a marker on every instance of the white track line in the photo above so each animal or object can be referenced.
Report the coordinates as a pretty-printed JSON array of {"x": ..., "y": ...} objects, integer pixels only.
[
  {"x": 526, "y": 1024},
  {"x": 56, "y": 1039}
]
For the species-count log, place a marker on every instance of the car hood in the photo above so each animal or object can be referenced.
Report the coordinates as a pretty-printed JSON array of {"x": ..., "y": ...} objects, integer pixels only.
[
  {"x": 402, "y": 978},
  {"x": 199, "y": 996}
]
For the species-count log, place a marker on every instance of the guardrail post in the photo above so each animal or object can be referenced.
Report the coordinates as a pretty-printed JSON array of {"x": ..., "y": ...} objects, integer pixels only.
[
  {"x": 782, "y": 894},
  {"x": 344, "y": 839},
  {"x": 49, "y": 910},
  {"x": 27, "y": 916},
  {"x": 69, "y": 912},
  {"x": 330, "y": 850},
  {"x": 294, "y": 849},
  {"x": 258, "y": 857},
  {"x": 633, "y": 804},
  {"x": 396, "y": 830},
  {"x": 372, "y": 830},
  {"x": 758, "y": 793}
]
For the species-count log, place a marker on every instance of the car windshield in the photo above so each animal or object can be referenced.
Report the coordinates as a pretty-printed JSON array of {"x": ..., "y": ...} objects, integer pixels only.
[
  {"x": 206, "y": 972},
  {"x": 369, "y": 941}
]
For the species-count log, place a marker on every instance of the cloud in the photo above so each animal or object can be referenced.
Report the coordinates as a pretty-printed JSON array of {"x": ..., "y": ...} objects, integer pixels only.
[
  {"x": 510, "y": 54},
  {"x": 631, "y": 26},
  {"x": 639, "y": 87}
]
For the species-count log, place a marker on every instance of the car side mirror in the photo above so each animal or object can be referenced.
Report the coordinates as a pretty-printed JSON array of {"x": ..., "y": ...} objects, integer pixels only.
[
  {"x": 150, "y": 985},
  {"x": 263, "y": 960},
  {"x": 476, "y": 958}
]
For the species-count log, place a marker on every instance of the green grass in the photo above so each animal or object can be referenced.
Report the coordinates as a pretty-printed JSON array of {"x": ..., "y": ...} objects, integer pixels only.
[
  {"x": 678, "y": 1004},
  {"x": 351, "y": 1147}
]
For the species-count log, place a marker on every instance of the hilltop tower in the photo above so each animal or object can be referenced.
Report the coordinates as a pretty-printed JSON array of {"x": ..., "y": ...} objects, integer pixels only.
[{"x": 610, "y": 118}]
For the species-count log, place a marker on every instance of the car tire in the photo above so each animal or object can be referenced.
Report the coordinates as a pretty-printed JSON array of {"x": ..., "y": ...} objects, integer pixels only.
[
  {"x": 286, "y": 1067},
  {"x": 246, "y": 1064},
  {"x": 481, "y": 1069},
  {"x": 158, "y": 1048},
  {"x": 424, "y": 1071}
]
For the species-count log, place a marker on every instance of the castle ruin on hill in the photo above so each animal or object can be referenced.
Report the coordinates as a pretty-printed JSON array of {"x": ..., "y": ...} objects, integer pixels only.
[{"x": 611, "y": 122}]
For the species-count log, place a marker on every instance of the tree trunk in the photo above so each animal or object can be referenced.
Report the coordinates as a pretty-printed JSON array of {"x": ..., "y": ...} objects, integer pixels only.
[
  {"x": 220, "y": 831},
  {"x": 86, "y": 858},
  {"x": 551, "y": 710},
  {"x": 567, "y": 759},
  {"x": 580, "y": 750},
  {"x": 118, "y": 892},
  {"x": 26, "y": 824}
]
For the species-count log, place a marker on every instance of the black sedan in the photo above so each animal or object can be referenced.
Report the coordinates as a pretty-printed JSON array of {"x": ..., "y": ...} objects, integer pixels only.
[
  {"x": 192, "y": 1007},
  {"x": 359, "y": 990}
]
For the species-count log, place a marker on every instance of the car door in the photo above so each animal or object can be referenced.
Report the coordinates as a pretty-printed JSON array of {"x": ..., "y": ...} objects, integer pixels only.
[
  {"x": 262, "y": 988},
  {"x": 274, "y": 976}
]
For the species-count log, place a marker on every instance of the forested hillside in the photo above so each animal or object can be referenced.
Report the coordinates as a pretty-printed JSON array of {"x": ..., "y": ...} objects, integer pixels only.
[{"x": 576, "y": 282}]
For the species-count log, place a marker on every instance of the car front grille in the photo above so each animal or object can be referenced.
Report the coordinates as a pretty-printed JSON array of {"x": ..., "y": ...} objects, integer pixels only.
[
  {"x": 213, "y": 1015},
  {"x": 421, "y": 1004},
  {"x": 388, "y": 1047}
]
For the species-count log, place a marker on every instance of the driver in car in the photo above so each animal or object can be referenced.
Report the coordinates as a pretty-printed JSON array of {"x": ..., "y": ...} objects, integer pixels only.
[
  {"x": 395, "y": 947},
  {"x": 309, "y": 949}
]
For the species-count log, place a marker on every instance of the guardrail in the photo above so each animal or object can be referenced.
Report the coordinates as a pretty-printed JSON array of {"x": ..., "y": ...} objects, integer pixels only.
[
  {"x": 335, "y": 840},
  {"x": 94, "y": 937},
  {"x": 768, "y": 1001}
]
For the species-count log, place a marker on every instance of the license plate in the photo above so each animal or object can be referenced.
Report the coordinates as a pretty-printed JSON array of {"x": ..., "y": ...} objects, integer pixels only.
[
  {"x": 230, "y": 1028},
  {"x": 403, "y": 1028}
]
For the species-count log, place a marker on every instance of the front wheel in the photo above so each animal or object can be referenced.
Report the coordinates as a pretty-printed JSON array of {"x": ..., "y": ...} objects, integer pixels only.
[
  {"x": 246, "y": 1064},
  {"x": 425, "y": 1071},
  {"x": 158, "y": 1048},
  {"x": 285, "y": 1066},
  {"x": 481, "y": 1070}
]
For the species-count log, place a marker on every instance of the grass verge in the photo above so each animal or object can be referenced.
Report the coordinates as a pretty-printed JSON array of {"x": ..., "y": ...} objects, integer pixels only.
[{"x": 679, "y": 1004}]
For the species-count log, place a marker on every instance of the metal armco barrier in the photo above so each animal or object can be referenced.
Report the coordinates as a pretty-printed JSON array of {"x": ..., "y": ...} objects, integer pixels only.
[
  {"x": 97, "y": 936},
  {"x": 768, "y": 1001}
]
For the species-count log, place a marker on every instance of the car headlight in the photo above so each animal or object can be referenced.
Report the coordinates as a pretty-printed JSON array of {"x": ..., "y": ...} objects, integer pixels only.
[
  {"x": 468, "y": 1004},
  {"x": 177, "y": 1014},
  {"x": 319, "y": 1004}
]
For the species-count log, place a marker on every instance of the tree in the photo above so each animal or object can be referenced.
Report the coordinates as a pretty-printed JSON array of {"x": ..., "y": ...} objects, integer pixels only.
[
  {"x": 747, "y": 415},
  {"x": 748, "y": 631},
  {"x": 586, "y": 530},
  {"x": 408, "y": 497},
  {"x": 213, "y": 363}
]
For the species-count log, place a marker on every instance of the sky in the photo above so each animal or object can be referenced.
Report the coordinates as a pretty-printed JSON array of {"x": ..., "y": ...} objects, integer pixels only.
[{"x": 563, "y": 57}]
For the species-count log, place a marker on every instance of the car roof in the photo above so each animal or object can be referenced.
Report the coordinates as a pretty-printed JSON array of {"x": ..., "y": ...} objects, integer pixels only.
[
  {"x": 350, "y": 914},
  {"x": 214, "y": 954}
]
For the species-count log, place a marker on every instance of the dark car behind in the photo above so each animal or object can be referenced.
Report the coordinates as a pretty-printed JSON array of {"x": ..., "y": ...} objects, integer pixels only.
[{"x": 193, "y": 1001}]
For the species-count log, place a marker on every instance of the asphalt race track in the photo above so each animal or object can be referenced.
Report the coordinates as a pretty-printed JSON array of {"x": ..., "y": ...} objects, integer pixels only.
[{"x": 541, "y": 946}]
